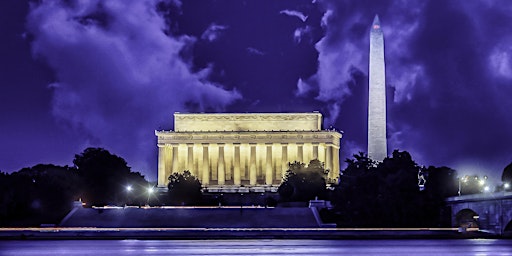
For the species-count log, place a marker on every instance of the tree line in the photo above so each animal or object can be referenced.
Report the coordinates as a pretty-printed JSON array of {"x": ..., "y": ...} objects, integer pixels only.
[
  {"x": 396, "y": 192},
  {"x": 44, "y": 193}
]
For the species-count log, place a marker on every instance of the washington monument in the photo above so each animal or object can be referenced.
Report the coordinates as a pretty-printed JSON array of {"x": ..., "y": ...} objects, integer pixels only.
[{"x": 377, "y": 148}]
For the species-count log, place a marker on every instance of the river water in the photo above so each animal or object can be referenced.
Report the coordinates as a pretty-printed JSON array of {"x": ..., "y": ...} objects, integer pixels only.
[{"x": 466, "y": 247}]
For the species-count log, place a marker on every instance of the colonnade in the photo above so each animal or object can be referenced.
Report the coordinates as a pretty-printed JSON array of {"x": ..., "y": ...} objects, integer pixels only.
[{"x": 242, "y": 163}]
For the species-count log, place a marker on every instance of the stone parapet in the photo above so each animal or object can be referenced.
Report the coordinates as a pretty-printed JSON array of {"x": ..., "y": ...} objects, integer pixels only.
[{"x": 247, "y": 122}]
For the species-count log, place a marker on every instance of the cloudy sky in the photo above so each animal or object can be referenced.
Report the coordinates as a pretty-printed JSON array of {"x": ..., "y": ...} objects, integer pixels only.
[{"x": 75, "y": 74}]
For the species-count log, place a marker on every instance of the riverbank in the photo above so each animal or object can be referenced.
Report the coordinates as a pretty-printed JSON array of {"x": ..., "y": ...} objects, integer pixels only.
[{"x": 51, "y": 233}]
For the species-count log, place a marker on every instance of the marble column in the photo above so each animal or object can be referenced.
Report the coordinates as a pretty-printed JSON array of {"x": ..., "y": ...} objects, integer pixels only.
[
  {"x": 328, "y": 158},
  {"x": 300, "y": 152},
  {"x": 161, "y": 166},
  {"x": 190, "y": 159},
  {"x": 315, "y": 151},
  {"x": 168, "y": 162},
  {"x": 206, "y": 165},
  {"x": 183, "y": 157},
  {"x": 284, "y": 160},
  {"x": 336, "y": 165},
  {"x": 252, "y": 165},
  {"x": 221, "y": 170},
  {"x": 236, "y": 164},
  {"x": 268, "y": 165},
  {"x": 175, "y": 160}
]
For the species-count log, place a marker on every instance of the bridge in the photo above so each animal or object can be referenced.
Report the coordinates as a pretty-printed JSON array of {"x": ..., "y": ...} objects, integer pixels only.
[{"x": 491, "y": 212}]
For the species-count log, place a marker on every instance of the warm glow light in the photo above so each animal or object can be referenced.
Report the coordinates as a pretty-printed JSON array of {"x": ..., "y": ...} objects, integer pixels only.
[{"x": 481, "y": 182}]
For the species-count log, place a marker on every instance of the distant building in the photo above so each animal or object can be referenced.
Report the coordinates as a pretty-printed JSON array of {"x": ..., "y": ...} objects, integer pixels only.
[{"x": 245, "y": 152}]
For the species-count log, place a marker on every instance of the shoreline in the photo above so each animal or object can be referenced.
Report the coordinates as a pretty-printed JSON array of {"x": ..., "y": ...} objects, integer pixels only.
[{"x": 92, "y": 233}]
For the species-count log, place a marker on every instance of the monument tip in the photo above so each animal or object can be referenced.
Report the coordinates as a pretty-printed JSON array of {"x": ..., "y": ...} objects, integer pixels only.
[{"x": 376, "y": 22}]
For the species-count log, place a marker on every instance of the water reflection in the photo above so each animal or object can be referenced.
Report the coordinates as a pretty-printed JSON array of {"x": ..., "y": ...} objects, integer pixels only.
[{"x": 480, "y": 247}]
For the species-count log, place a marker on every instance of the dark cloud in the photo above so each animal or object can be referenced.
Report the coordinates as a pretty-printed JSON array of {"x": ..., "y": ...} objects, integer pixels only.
[
  {"x": 119, "y": 76},
  {"x": 447, "y": 71}
]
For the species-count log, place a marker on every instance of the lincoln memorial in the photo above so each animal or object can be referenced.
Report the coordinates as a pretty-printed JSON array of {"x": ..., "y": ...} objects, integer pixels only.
[{"x": 245, "y": 152}]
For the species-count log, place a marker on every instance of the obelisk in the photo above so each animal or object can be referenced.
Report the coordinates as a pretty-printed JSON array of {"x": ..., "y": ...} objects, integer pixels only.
[{"x": 377, "y": 146}]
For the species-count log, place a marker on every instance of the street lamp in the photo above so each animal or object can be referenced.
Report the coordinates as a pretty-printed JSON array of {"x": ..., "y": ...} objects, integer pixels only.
[
  {"x": 150, "y": 191},
  {"x": 128, "y": 192},
  {"x": 506, "y": 185},
  {"x": 464, "y": 179}
]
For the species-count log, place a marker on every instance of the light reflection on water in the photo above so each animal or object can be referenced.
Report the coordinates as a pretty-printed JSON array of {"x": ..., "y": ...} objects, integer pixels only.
[{"x": 477, "y": 247}]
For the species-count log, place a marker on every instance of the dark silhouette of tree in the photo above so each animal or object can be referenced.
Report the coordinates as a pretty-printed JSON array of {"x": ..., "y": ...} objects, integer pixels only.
[
  {"x": 44, "y": 193},
  {"x": 388, "y": 194},
  {"x": 184, "y": 189},
  {"x": 398, "y": 190},
  {"x": 355, "y": 196},
  {"x": 58, "y": 187},
  {"x": 360, "y": 164},
  {"x": 441, "y": 182},
  {"x": 16, "y": 198},
  {"x": 382, "y": 194},
  {"x": 302, "y": 183},
  {"x": 506, "y": 177},
  {"x": 105, "y": 177},
  {"x": 39, "y": 194}
]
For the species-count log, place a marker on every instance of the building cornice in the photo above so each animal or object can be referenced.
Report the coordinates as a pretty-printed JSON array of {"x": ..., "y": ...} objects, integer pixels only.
[{"x": 324, "y": 136}]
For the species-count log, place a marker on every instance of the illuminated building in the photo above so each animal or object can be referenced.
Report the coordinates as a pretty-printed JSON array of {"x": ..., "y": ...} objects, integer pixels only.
[{"x": 245, "y": 152}]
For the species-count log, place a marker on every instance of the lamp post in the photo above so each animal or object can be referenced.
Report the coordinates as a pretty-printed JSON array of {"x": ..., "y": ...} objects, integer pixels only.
[
  {"x": 150, "y": 191},
  {"x": 458, "y": 192},
  {"x": 483, "y": 184},
  {"x": 463, "y": 179},
  {"x": 128, "y": 192}
]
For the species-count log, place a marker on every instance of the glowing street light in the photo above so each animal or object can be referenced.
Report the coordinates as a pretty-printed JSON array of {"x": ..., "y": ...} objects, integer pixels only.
[
  {"x": 463, "y": 179},
  {"x": 129, "y": 188},
  {"x": 486, "y": 188},
  {"x": 150, "y": 191},
  {"x": 506, "y": 185}
]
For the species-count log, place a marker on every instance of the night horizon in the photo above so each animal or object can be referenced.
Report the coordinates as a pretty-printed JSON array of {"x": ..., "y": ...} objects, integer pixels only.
[{"x": 109, "y": 74}]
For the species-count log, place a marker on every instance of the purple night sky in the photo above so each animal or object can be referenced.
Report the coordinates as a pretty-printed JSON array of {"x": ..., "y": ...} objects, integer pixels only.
[{"x": 107, "y": 74}]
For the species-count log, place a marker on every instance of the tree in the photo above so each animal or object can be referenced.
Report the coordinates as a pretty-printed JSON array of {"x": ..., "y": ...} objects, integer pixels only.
[
  {"x": 105, "y": 177},
  {"x": 355, "y": 196},
  {"x": 38, "y": 194},
  {"x": 506, "y": 177},
  {"x": 441, "y": 182},
  {"x": 184, "y": 189},
  {"x": 302, "y": 183},
  {"x": 398, "y": 190},
  {"x": 382, "y": 194}
]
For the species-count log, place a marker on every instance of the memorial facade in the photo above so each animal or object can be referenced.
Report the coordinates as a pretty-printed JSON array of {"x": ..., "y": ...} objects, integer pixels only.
[{"x": 245, "y": 152}]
